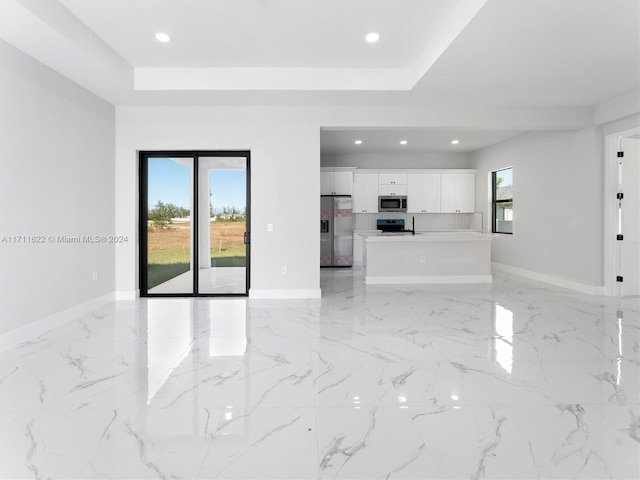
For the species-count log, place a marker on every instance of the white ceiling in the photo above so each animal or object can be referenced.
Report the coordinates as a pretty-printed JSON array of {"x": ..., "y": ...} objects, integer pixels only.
[
  {"x": 540, "y": 53},
  {"x": 387, "y": 140},
  {"x": 262, "y": 33},
  {"x": 498, "y": 55}
]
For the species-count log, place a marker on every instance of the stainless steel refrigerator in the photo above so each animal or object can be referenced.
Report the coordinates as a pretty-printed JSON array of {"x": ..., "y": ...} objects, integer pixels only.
[{"x": 336, "y": 231}]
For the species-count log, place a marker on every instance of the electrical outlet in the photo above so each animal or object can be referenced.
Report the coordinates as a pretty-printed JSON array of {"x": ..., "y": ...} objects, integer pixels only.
[
  {"x": 269, "y": 227},
  {"x": 283, "y": 269},
  {"x": 422, "y": 259}
]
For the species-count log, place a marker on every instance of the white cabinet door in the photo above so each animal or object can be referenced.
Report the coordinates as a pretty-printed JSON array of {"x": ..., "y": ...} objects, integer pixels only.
[
  {"x": 467, "y": 192},
  {"x": 423, "y": 193},
  {"x": 392, "y": 190},
  {"x": 393, "y": 179},
  {"x": 326, "y": 183},
  {"x": 343, "y": 183},
  {"x": 365, "y": 193},
  {"x": 336, "y": 183},
  {"x": 457, "y": 192}
]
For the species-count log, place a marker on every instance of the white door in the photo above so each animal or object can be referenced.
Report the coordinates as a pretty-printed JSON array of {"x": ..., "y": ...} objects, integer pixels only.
[{"x": 629, "y": 247}]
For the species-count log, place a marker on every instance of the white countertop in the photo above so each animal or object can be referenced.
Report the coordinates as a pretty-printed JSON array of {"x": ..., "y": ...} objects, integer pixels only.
[{"x": 449, "y": 236}]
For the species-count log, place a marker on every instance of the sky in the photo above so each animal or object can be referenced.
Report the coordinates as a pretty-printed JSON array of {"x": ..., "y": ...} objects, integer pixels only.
[
  {"x": 507, "y": 174},
  {"x": 170, "y": 182}
]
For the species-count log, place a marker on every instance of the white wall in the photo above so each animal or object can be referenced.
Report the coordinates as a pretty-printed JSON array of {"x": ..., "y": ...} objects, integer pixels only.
[
  {"x": 285, "y": 189},
  {"x": 558, "y": 209},
  {"x": 398, "y": 160},
  {"x": 56, "y": 178},
  {"x": 285, "y": 185}
]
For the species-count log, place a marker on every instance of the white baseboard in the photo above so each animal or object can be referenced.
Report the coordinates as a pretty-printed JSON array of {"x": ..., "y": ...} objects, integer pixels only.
[
  {"x": 284, "y": 294},
  {"x": 34, "y": 329},
  {"x": 550, "y": 279},
  {"x": 127, "y": 294},
  {"x": 427, "y": 279}
]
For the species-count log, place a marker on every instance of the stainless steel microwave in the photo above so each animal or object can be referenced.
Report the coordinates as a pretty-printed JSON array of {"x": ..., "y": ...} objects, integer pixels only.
[{"x": 392, "y": 203}]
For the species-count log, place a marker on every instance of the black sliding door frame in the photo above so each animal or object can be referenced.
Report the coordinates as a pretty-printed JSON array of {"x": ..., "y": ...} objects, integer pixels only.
[{"x": 143, "y": 216}]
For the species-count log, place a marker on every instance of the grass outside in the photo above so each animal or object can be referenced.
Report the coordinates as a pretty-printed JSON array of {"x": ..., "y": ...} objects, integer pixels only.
[{"x": 169, "y": 251}]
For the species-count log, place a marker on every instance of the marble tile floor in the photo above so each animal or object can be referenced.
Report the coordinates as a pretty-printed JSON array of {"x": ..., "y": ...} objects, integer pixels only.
[
  {"x": 515, "y": 380},
  {"x": 220, "y": 280}
]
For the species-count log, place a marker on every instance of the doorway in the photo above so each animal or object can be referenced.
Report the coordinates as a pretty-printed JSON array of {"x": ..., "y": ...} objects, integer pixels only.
[
  {"x": 622, "y": 241},
  {"x": 194, "y": 219}
]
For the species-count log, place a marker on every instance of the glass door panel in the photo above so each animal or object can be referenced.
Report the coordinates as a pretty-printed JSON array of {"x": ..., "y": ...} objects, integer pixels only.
[
  {"x": 222, "y": 225},
  {"x": 169, "y": 230}
]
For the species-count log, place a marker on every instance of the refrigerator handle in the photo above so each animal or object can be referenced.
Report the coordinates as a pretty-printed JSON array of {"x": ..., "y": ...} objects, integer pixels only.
[{"x": 324, "y": 226}]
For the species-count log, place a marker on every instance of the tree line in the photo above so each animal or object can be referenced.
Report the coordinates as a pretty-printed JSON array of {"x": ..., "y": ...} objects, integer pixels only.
[{"x": 162, "y": 214}]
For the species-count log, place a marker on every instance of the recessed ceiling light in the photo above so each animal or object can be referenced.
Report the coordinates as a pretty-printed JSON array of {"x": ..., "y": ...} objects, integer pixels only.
[
  {"x": 403, "y": 142},
  {"x": 358, "y": 142},
  {"x": 163, "y": 37},
  {"x": 372, "y": 37},
  {"x": 455, "y": 142}
]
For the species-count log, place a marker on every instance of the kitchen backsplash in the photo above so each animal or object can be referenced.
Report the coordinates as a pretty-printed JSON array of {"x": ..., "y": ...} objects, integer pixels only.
[{"x": 425, "y": 222}]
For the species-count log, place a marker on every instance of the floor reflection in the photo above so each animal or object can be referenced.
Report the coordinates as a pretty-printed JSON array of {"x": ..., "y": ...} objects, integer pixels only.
[
  {"x": 503, "y": 337},
  {"x": 228, "y": 328},
  {"x": 170, "y": 335}
]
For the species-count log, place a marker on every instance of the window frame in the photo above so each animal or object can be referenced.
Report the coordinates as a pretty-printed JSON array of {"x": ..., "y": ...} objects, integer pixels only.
[{"x": 495, "y": 202}]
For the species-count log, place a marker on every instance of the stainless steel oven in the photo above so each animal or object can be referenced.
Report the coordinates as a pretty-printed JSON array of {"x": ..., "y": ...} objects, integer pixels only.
[{"x": 392, "y": 203}]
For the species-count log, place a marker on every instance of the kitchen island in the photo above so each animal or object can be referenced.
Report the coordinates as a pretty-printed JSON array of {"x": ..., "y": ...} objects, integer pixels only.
[{"x": 427, "y": 257}]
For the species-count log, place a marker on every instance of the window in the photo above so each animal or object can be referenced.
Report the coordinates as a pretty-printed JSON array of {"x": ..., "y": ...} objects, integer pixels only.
[{"x": 502, "y": 200}]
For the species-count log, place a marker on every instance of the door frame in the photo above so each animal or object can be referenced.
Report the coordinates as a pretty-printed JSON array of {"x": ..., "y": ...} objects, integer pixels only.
[
  {"x": 143, "y": 214},
  {"x": 612, "y": 146}
]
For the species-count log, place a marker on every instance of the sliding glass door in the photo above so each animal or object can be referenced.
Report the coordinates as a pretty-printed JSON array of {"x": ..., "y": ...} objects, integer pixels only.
[
  {"x": 194, "y": 217},
  {"x": 169, "y": 228},
  {"x": 223, "y": 224}
]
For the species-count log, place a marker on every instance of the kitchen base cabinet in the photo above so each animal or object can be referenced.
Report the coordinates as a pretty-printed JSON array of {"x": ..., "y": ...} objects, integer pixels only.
[
  {"x": 427, "y": 258},
  {"x": 358, "y": 249}
]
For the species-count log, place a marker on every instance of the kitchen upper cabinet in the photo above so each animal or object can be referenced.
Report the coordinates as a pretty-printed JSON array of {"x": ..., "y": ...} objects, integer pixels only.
[
  {"x": 365, "y": 193},
  {"x": 458, "y": 192},
  {"x": 390, "y": 184},
  {"x": 392, "y": 179},
  {"x": 423, "y": 193},
  {"x": 336, "y": 183},
  {"x": 391, "y": 190}
]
